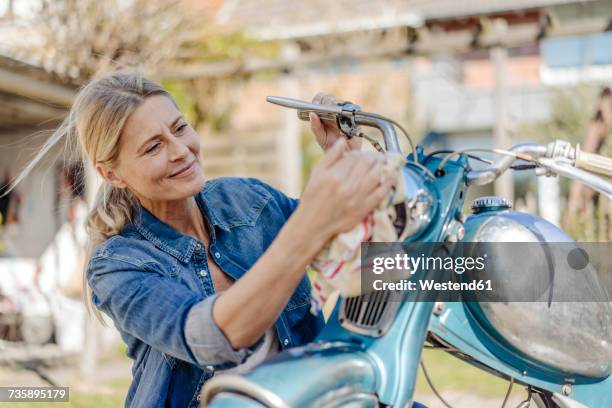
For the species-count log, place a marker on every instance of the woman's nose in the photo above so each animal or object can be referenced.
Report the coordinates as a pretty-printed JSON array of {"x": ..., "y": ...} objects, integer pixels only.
[{"x": 178, "y": 149}]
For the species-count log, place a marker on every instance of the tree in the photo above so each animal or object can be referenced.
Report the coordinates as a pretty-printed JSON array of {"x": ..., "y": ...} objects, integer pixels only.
[{"x": 79, "y": 39}]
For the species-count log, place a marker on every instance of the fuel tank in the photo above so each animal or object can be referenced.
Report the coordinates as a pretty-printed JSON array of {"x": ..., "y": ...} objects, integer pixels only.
[{"x": 570, "y": 337}]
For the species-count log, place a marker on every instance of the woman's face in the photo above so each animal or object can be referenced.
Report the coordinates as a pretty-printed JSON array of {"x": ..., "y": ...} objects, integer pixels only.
[{"x": 159, "y": 154}]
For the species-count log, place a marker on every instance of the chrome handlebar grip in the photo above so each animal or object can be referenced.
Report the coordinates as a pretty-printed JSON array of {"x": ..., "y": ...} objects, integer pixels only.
[
  {"x": 595, "y": 163},
  {"x": 325, "y": 117},
  {"x": 338, "y": 114},
  {"x": 560, "y": 158},
  {"x": 568, "y": 170},
  {"x": 303, "y": 105}
]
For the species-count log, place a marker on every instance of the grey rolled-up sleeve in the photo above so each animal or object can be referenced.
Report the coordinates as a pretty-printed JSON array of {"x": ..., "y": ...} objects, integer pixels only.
[{"x": 208, "y": 343}]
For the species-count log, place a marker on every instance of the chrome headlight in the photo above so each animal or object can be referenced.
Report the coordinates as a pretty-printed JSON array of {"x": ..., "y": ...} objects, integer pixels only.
[{"x": 415, "y": 213}]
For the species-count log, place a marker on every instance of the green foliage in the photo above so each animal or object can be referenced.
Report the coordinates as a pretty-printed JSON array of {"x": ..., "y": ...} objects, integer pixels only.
[
  {"x": 235, "y": 45},
  {"x": 184, "y": 99},
  {"x": 449, "y": 373},
  {"x": 207, "y": 101},
  {"x": 311, "y": 154}
]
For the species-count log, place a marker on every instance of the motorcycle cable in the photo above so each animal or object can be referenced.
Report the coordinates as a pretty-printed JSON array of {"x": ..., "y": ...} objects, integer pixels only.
[
  {"x": 435, "y": 391},
  {"x": 400, "y": 127},
  {"x": 449, "y": 349},
  {"x": 518, "y": 167},
  {"x": 380, "y": 149},
  {"x": 478, "y": 149},
  {"x": 508, "y": 392},
  {"x": 526, "y": 403}
]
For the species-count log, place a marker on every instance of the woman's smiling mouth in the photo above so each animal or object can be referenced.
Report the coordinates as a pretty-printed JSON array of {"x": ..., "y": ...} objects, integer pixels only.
[{"x": 185, "y": 171}]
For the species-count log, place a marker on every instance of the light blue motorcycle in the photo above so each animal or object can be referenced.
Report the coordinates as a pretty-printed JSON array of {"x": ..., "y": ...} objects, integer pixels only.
[{"x": 369, "y": 352}]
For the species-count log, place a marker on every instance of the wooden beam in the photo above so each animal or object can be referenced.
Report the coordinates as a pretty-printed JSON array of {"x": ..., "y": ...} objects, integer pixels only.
[
  {"x": 15, "y": 109},
  {"x": 18, "y": 84},
  {"x": 426, "y": 43}
]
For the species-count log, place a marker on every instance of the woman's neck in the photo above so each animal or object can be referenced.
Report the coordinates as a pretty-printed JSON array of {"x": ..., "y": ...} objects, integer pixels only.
[{"x": 182, "y": 215}]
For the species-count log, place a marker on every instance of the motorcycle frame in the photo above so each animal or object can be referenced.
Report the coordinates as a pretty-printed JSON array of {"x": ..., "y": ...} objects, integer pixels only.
[{"x": 397, "y": 354}]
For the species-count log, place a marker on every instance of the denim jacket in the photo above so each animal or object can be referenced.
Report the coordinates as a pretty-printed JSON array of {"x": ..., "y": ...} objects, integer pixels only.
[{"x": 148, "y": 278}]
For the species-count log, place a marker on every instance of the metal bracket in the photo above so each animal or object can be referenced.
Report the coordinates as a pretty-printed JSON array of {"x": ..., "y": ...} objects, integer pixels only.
[{"x": 346, "y": 122}]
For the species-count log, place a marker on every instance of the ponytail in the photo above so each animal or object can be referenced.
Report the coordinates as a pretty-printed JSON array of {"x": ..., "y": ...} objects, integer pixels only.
[{"x": 112, "y": 210}]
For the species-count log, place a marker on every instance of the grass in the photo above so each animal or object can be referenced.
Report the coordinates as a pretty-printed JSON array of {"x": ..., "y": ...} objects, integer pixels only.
[
  {"x": 450, "y": 373},
  {"x": 77, "y": 400}
]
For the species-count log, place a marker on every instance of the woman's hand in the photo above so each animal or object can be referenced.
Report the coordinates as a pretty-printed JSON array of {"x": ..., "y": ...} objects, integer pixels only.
[
  {"x": 327, "y": 134},
  {"x": 343, "y": 188}
]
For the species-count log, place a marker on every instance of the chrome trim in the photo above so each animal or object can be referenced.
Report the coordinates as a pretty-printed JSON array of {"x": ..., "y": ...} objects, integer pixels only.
[
  {"x": 386, "y": 128},
  {"x": 371, "y": 318},
  {"x": 352, "y": 399},
  {"x": 303, "y": 105},
  {"x": 567, "y": 170},
  {"x": 419, "y": 204},
  {"x": 242, "y": 386},
  {"x": 491, "y": 202},
  {"x": 489, "y": 174}
]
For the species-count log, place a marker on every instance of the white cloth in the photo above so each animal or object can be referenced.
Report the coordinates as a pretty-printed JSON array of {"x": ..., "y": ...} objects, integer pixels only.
[{"x": 338, "y": 265}]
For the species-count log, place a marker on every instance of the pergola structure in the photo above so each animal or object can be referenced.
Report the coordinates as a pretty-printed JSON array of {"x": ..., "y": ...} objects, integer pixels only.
[
  {"x": 320, "y": 33},
  {"x": 30, "y": 95},
  {"x": 344, "y": 30}
]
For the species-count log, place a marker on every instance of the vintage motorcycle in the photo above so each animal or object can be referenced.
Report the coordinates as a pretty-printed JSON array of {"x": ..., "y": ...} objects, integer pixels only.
[{"x": 369, "y": 352}]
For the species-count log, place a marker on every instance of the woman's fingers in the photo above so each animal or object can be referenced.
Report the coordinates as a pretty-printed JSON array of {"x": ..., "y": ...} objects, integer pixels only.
[
  {"x": 343, "y": 169},
  {"x": 379, "y": 194},
  {"x": 368, "y": 170},
  {"x": 372, "y": 179},
  {"x": 323, "y": 98},
  {"x": 317, "y": 98},
  {"x": 334, "y": 153},
  {"x": 318, "y": 129}
]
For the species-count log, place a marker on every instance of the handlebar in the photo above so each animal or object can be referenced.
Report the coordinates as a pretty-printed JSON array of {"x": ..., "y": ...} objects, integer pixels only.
[
  {"x": 593, "y": 162},
  {"x": 558, "y": 157},
  {"x": 347, "y": 116},
  {"x": 498, "y": 167}
]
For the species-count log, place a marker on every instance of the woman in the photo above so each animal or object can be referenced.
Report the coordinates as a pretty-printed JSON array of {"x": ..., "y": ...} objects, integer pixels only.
[{"x": 202, "y": 277}]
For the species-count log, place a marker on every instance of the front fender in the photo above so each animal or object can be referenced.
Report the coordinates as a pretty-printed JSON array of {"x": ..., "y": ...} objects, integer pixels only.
[{"x": 317, "y": 374}]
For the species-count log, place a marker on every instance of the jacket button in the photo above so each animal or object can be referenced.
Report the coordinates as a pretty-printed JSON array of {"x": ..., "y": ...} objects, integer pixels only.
[
  {"x": 203, "y": 272},
  {"x": 217, "y": 255},
  {"x": 210, "y": 368},
  {"x": 198, "y": 247},
  {"x": 286, "y": 341}
]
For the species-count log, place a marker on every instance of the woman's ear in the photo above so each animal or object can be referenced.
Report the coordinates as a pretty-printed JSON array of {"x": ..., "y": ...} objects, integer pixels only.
[{"x": 109, "y": 175}]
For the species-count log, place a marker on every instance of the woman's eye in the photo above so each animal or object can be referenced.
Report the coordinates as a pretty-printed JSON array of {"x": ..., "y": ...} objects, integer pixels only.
[
  {"x": 181, "y": 128},
  {"x": 153, "y": 148}
]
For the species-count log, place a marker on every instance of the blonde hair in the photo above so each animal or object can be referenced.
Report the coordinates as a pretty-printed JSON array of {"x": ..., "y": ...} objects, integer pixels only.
[{"x": 95, "y": 122}]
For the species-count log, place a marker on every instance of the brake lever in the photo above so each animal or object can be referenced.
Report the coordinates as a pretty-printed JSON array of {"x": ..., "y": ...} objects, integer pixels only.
[{"x": 343, "y": 118}]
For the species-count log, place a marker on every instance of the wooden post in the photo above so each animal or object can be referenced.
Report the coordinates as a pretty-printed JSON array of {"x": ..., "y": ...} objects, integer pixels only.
[
  {"x": 91, "y": 346},
  {"x": 549, "y": 197},
  {"x": 499, "y": 55},
  {"x": 289, "y": 156}
]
